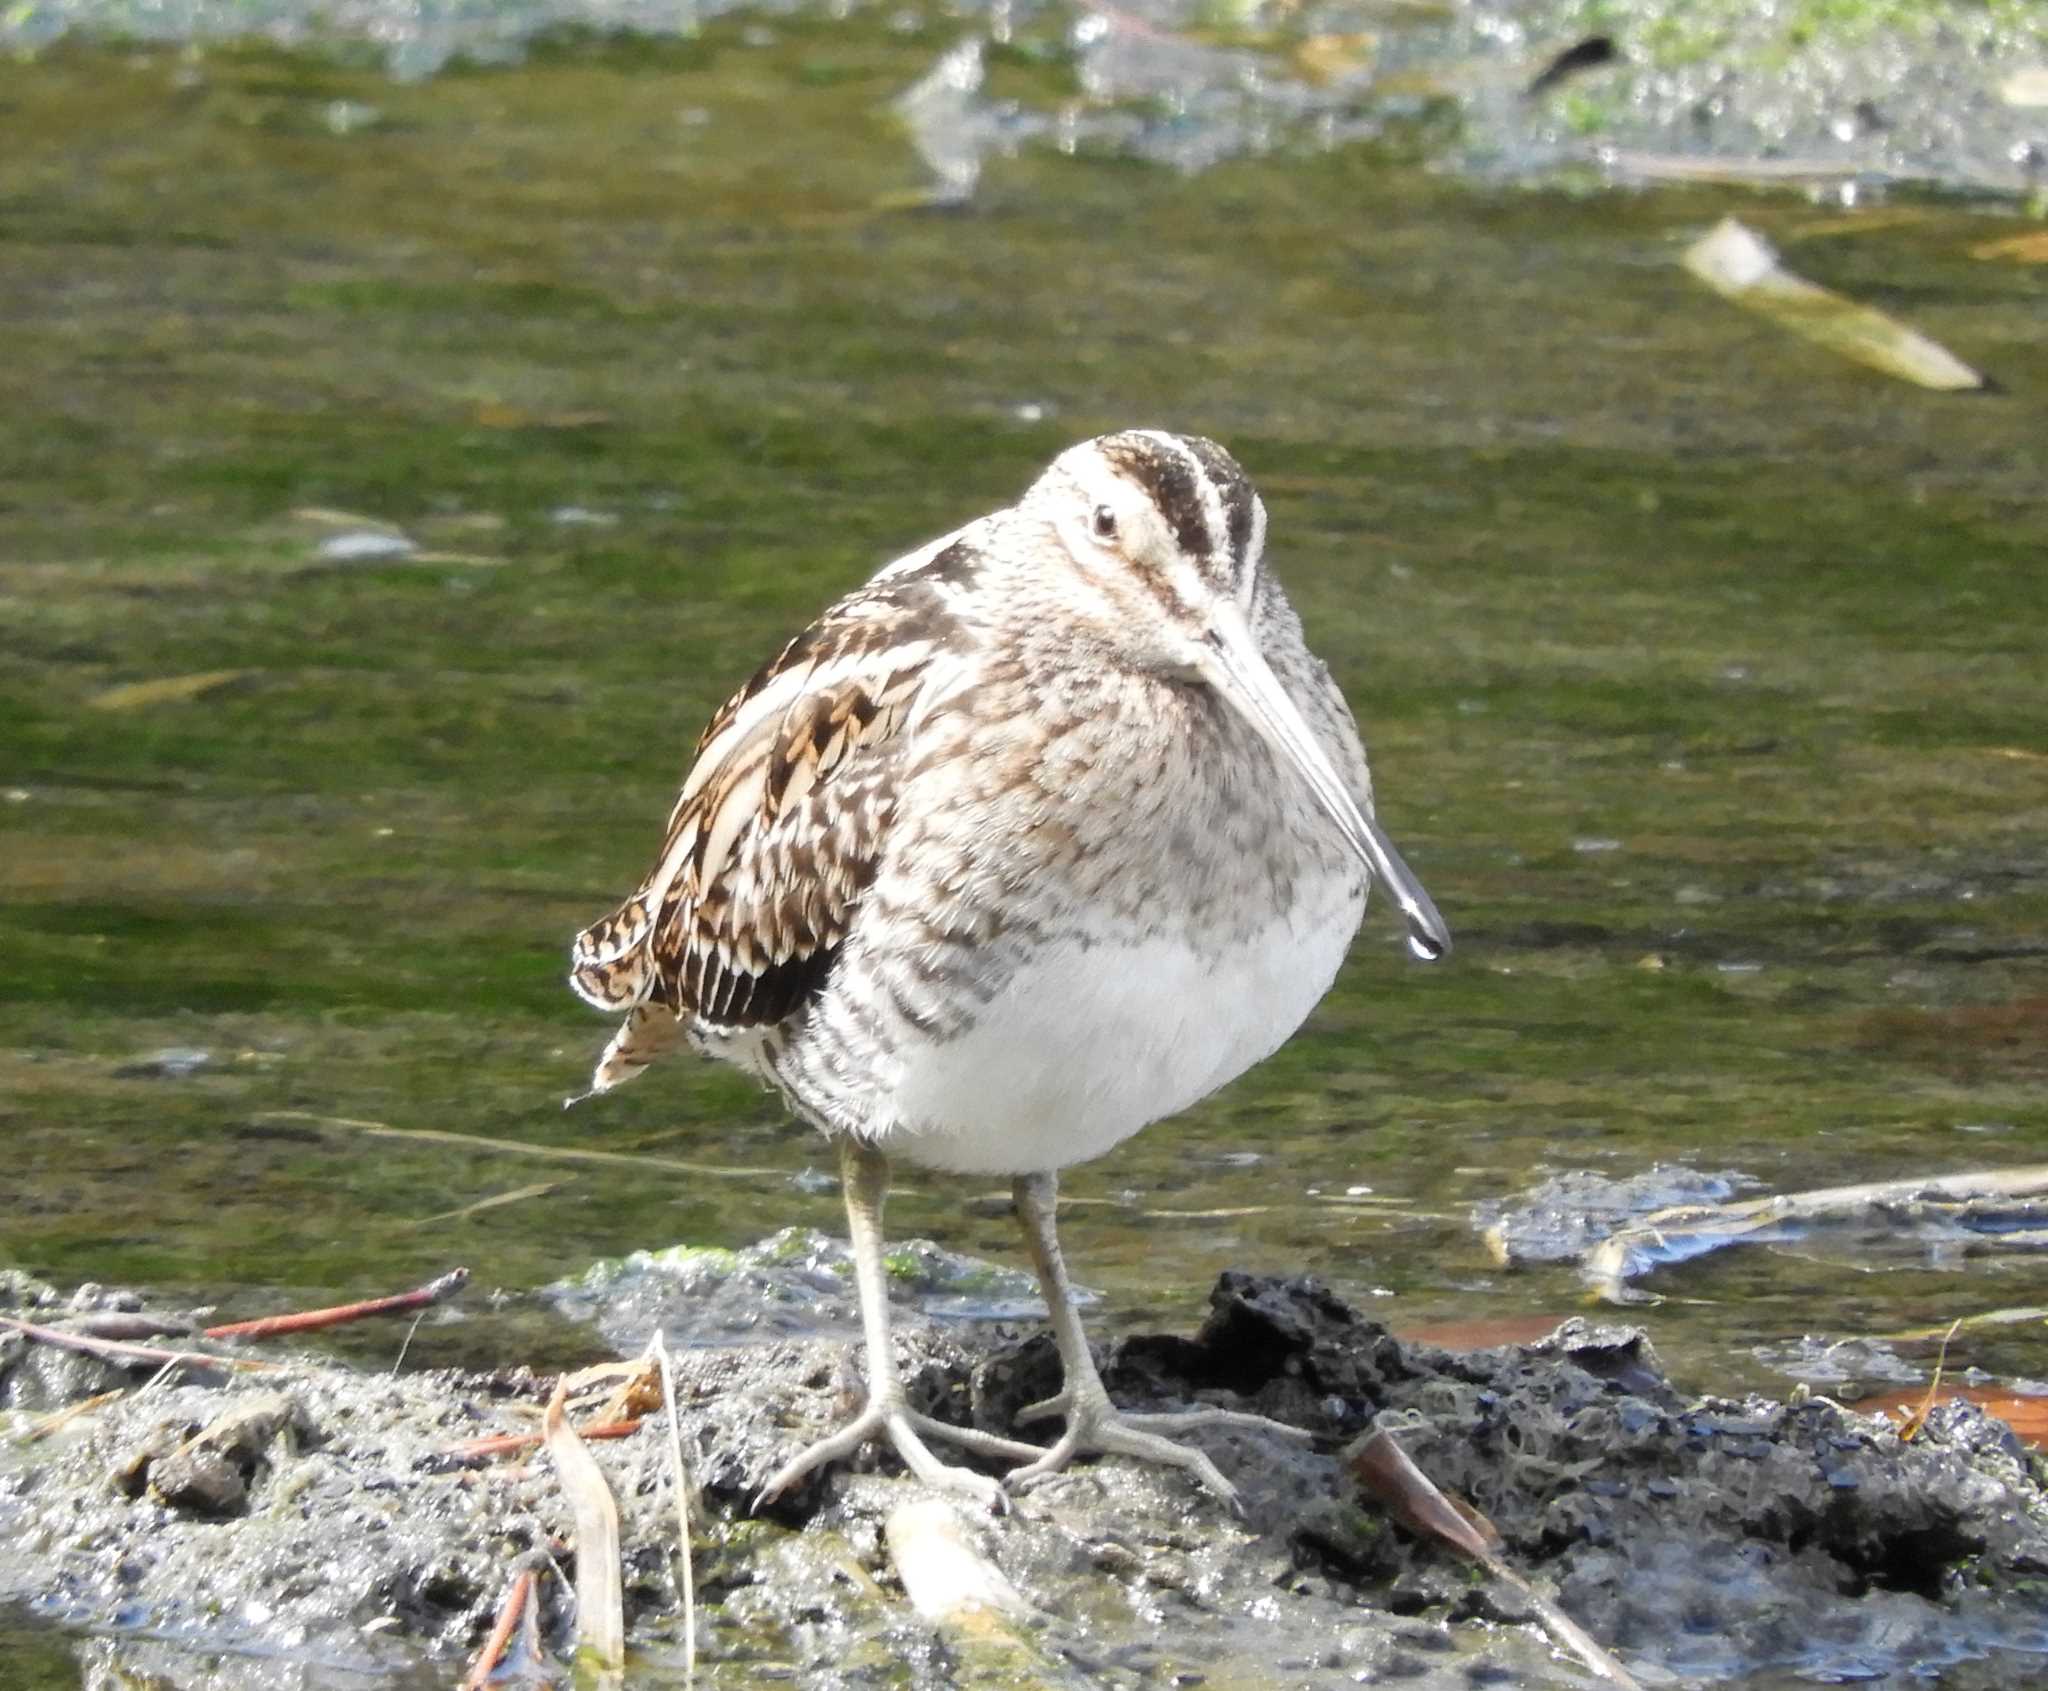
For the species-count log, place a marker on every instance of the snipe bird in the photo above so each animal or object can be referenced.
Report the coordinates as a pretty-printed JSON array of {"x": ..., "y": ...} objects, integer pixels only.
[{"x": 1047, "y": 832}]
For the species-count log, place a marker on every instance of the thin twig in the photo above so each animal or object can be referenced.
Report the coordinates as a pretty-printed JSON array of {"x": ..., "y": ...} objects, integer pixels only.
[
  {"x": 114, "y": 1350},
  {"x": 1912, "y": 1425},
  {"x": 50, "y": 1423},
  {"x": 1685, "y": 1231},
  {"x": 310, "y": 1320},
  {"x": 681, "y": 1479},
  {"x": 161, "y": 1378},
  {"x": 405, "y": 1344},
  {"x": 519, "y": 1148},
  {"x": 497, "y": 1200}
]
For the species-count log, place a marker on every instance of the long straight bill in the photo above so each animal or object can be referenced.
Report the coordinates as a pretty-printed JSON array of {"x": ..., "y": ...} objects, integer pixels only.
[{"x": 1234, "y": 667}]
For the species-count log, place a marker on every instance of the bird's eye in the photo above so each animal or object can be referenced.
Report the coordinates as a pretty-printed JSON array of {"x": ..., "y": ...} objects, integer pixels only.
[{"x": 1104, "y": 523}]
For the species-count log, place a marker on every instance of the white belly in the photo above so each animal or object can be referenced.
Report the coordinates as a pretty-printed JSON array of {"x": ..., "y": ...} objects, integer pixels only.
[{"x": 1085, "y": 1046}]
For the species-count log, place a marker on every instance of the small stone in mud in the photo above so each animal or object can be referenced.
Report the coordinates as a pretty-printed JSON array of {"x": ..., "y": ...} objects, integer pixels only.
[
  {"x": 173, "y": 1062},
  {"x": 211, "y": 1472},
  {"x": 360, "y": 546}
]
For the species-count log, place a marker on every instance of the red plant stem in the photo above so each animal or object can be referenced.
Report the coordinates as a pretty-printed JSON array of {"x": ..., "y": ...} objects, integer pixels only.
[
  {"x": 308, "y": 1320},
  {"x": 501, "y": 1632},
  {"x": 504, "y": 1444}
]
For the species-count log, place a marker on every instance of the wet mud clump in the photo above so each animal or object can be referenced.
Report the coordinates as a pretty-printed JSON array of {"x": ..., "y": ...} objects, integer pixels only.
[{"x": 278, "y": 1527}]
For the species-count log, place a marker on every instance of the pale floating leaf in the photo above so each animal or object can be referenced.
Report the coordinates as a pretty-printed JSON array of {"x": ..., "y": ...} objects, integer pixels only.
[
  {"x": 170, "y": 690},
  {"x": 1740, "y": 265},
  {"x": 2025, "y": 87},
  {"x": 1687, "y": 167},
  {"x": 327, "y": 516},
  {"x": 1914, "y": 1340}
]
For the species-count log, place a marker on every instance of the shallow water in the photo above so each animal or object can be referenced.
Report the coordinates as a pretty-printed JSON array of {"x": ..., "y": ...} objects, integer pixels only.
[{"x": 1702, "y": 673}]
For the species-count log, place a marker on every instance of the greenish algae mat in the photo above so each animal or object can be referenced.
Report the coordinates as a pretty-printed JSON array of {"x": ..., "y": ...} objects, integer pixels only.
[{"x": 1704, "y": 676}]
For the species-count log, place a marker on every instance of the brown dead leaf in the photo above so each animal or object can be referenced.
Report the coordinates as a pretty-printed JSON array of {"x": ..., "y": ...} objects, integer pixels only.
[
  {"x": 1380, "y": 1464},
  {"x": 1862, "y": 221},
  {"x": 1324, "y": 59},
  {"x": 492, "y": 414},
  {"x": 1382, "y": 1467},
  {"x": 2022, "y": 249},
  {"x": 636, "y": 1387}
]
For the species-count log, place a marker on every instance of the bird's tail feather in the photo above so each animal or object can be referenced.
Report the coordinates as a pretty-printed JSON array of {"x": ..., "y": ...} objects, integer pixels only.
[
  {"x": 611, "y": 965},
  {"x": 643, "y": 1036}
]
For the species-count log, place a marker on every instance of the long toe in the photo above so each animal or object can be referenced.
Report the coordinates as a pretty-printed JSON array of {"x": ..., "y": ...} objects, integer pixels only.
[
  {"x": 906, "y": 1432},
  {"x": 961, "y": 1482},
  {"x": 1043, "y": 1410},
  {"x": 1115, "y": 1435},
  {"x": 974, "y": 1439},
  {"x": 833, "y": 1447},
  {"x": 1188, "y": 1420}
]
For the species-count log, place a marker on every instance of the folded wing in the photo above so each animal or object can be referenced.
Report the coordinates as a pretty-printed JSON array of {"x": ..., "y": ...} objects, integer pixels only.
[{"x": 773, "y": 841}]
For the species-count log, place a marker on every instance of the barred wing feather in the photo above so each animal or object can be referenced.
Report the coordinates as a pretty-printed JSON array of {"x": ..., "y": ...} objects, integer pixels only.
[{"x": 770, "y": 846}]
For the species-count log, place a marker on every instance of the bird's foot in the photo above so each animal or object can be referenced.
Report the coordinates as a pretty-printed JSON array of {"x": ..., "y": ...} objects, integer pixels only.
[
  {"x": 1174, "y": 1421},
  {"x": 1095, "y": 1426},
  {"x": 906, "y": 1430}
]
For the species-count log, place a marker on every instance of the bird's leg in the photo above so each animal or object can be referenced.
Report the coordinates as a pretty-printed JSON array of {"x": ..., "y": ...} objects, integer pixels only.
[
  {"x": 864, "y": 1175},
  {"x": 1094, "y": 1424}
]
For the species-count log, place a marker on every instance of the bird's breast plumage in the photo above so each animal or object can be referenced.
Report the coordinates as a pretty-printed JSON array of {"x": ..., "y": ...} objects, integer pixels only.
[{"x": 1100, "y": 899}]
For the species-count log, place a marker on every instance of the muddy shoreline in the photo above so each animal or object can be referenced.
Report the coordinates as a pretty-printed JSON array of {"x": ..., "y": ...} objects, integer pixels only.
[{"x": 323, "y": 1531}]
